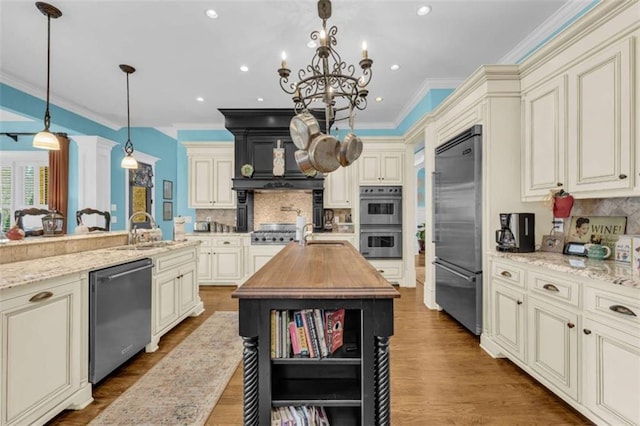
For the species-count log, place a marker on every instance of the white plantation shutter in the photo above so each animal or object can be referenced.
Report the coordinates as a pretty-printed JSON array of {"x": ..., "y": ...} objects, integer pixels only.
[{"x": 24, "y": 180}]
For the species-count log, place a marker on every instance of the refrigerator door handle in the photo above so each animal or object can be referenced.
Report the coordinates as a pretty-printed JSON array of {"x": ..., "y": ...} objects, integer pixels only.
[
  {"x": 456, "y": 273},
  {"x": 434, "y": 207}
]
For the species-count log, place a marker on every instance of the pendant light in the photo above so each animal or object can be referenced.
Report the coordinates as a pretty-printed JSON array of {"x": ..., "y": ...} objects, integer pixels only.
[
  {"x": 128, "y": 162},
  {"x": 45, "y": 139}
]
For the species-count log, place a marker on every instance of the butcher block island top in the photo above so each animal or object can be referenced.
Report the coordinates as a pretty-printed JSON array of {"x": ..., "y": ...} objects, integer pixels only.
[{"x": 317, "y": 270}]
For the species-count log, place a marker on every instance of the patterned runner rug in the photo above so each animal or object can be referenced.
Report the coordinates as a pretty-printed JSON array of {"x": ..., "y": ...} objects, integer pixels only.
[{"x": 185, "y": 385}]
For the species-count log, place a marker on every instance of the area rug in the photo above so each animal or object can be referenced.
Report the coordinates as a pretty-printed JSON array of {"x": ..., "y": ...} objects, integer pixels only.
[{"x": 185, "y": 385}]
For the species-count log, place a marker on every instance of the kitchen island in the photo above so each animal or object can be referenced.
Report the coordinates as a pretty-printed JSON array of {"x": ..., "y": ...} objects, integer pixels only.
[{"x": 353, "y": 383}]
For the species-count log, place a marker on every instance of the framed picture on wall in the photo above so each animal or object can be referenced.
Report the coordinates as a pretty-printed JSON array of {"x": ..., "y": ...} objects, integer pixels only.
[
  {"x": 167, "y": 189},
  {"x": 167, "y": 210}
]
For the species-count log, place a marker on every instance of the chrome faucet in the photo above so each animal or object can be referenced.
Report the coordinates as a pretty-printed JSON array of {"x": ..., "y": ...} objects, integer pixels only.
[
  {"x": 133, "y": 237},
  {"x": 303, "y": 240}
]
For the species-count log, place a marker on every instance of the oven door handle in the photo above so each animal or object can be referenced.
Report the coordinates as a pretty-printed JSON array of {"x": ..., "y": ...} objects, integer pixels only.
[{"x": 456, "y": 273}]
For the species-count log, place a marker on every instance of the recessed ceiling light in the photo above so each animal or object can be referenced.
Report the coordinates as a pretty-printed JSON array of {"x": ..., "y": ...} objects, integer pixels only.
[
  {"x": 200, "y": 99},
  {"x": 395, "y": 67},
  {"x": 312, "y": 44},
  {"x": 379, "y": 99},
  {"x": 244, "y": 68},
  {"x": 260, "y": 99},
  {"x": 211, "y": 13},
  {"x": 424, "y": 10}
]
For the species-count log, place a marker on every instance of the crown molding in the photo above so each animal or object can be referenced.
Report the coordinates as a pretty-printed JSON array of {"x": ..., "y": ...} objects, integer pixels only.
[
  {"x": 542, "y": 33},
  {"x": 59, "y": 101},
  {"x": 427, "y": 85}
]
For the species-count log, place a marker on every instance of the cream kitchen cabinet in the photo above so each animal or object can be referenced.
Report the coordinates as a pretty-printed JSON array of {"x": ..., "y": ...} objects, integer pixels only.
[
  {"x": 600, "y": 133},
  {"x": 391, "y": 270},
  {"x": 174, "y": 292},
  {"x": 220, "y": 259},
  {"x": 578, "y": 127},
  {"x": 580, "y": 337},
  {"x": 339, "y": 188},
  {"x": 545, "y": 138},
  {"x": 44, "y": 358},
  {"x": 211, "y": 170},
  {"x": 611, "y": 348},
  {"x": 259, "y": 255},
  {"x": 553, "y": 344},
  {"x": 381, "y": 167}
]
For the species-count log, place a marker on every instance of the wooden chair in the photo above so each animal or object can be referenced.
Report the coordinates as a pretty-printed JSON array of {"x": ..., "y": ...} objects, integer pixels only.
[
  {"x": 106, "y": 215},
  {"x": 20, "y": 215}
]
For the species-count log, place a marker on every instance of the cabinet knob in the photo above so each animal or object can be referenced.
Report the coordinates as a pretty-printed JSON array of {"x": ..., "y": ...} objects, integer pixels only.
[
  {"x": 381, "y": 271},
  {"x": 40, "y": 296},
  {"x": 506, "y": 274},
  {"x": 570, "y": 325},
  {"x": 622, "y": 176},
  {"x": 559, "y": 184},
  {"x": 519, "y": 302},
  {"x": 586, "y": 331}
]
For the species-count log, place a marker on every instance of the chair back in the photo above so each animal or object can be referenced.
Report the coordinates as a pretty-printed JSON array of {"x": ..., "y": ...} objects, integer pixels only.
[
  {"x": 30, "y": 220},
  {"x": 91, "y": 223}
]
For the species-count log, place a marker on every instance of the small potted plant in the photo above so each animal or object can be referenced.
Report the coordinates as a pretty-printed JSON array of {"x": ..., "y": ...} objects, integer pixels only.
[{"x": 420, "y": 235}]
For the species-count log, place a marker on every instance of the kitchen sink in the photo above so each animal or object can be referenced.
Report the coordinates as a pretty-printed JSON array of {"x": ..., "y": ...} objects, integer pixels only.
[
  {"x": 325, "y": 243},
  {"x": 146, "y": 246}
]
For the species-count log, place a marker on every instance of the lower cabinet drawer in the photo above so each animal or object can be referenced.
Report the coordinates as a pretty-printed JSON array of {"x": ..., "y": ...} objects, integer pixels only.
[
  {"x": 617, "y": 307},
  {"x": 554, "y": 288}
]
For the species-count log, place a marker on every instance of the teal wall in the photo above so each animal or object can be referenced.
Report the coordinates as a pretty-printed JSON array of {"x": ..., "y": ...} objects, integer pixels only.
[
  {"x": 147, "y": 140},
  {"x": 173, "y": 163}
]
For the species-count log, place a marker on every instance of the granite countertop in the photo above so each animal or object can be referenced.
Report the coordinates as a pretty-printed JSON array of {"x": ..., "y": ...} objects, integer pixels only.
[
  {"x": 31, "y": 271},
  {"x": 601, "y": 270}
]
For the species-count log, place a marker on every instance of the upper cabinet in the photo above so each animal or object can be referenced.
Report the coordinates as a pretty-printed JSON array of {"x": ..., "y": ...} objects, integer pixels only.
[
  {"x": 600, "y": 154},
  {"x": 339, "y": 188},
  {"x": 578, "y": 121},
  {"x": 210, "y": 175},
  {"x": 544, "y": 138},
  {"x": 381, "y": 165}
]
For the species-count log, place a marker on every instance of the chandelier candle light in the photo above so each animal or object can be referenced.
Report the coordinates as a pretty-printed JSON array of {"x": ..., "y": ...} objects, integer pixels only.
[
  {"x": 328, "y": 78},
  {"x": 45, "y": 139},
  {"x": 128, "y": 162}
]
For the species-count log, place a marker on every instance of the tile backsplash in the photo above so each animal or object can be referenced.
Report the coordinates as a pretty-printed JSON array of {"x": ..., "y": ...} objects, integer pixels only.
[
  {"x": 266, "y": 206},
  {"x": 629, "y": 207}
]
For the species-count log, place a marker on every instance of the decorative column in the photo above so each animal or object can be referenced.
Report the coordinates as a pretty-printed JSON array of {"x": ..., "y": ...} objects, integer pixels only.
[
  {"x": 382, "y": 382},
  {"x": 250, "y": 381}
]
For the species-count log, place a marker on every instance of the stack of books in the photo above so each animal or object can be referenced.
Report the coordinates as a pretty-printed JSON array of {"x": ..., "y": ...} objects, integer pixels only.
[
  {"x": 306, "y": 333},
  {"x": 299, "y": 416}
]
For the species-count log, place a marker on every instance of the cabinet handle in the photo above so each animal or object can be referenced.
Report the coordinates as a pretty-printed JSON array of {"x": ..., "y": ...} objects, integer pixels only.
[
  {"x": 551, "y": 287},
  {"x": 381, "y": 271},
  {"x": 559, "y": 184},
  {"x": 41, "y": 296},
  {"x": 519, "y": 302},
  {"x": 506, "y": 274},
  {"x": 622, "y": 310},
  {"x": 622, "y": 176},
  {"x": 226, "y": 243},
  {"x": 570, "y": 325},
  {"x": 586, "y": 331}
]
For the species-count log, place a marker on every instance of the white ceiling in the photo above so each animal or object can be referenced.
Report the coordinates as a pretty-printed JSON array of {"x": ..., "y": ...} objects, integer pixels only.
[{"x": 181, "y": 54}]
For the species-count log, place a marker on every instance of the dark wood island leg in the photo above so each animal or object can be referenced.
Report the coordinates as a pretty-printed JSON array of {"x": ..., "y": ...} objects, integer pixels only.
[
  {"x": 383, "y": 389},
  {"x": 250, "y": 380}
]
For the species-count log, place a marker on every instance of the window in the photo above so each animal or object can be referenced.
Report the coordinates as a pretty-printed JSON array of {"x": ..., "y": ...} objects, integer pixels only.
[{"x": 24, "y": 181}]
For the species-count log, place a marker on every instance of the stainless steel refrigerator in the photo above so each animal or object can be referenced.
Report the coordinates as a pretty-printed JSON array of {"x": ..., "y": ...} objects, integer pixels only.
[{"x": 457, "y": 227}]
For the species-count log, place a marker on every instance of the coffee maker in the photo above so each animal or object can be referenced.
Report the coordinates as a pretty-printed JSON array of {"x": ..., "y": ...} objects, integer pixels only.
[{"x": 516, "y": 233}]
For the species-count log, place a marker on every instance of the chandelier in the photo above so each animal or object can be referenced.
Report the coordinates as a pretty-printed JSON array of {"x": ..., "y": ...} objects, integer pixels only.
[{"x": 328, "y": 78}]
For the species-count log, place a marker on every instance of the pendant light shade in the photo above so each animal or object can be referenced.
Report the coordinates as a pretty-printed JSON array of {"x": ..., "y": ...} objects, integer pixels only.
[
  {"x": 128, "y": 162},
  {"x": 45, "y": 139}
]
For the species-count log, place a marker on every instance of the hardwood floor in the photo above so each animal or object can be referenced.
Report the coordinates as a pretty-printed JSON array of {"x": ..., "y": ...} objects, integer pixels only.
[{"x": 439, "y": 375}]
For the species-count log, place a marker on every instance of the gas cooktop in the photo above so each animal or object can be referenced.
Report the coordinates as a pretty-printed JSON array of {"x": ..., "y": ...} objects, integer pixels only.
[{"x": 274, "y": 233}]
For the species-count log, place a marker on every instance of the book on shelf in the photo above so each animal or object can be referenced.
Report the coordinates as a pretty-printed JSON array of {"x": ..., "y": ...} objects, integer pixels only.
[
  {"x": 334, "y": 329},
  {"x": 299, "y": 416},
  {"x": 306, "y": 333}
]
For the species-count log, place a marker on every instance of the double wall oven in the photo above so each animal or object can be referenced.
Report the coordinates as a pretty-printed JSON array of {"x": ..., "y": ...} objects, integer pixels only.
[{"x": 381, "y": 222}]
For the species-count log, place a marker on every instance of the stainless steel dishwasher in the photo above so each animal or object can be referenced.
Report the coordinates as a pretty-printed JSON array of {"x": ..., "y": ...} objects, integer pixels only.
[{"x": 119, "y": 315}]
